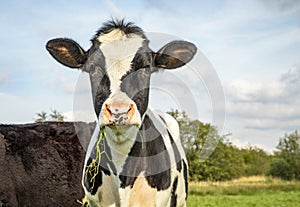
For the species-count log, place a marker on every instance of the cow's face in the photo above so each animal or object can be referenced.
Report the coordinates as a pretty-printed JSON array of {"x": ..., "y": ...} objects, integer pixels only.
[{"x": 120, "y": 64}]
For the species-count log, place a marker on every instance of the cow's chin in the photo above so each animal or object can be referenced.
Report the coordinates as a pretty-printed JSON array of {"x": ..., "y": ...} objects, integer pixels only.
[{"x": 121, "y": 133}]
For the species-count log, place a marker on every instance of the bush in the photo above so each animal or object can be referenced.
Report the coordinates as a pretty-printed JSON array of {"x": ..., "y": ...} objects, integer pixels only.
[
  {"x": 281, "y": 169},
  {"x": 287, "y": 162}
]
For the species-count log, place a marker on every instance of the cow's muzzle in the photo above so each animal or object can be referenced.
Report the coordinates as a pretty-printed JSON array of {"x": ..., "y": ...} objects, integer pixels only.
[{"x": 119, "y": 112}]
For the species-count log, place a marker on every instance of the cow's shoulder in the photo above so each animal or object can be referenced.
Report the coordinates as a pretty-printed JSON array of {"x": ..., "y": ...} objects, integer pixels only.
[
  {"x": 170, "y": 122},
  {"x": 173, "y": 131}
]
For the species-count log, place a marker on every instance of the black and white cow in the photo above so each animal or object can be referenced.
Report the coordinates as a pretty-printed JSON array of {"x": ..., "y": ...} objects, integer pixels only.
[{"x": 134, "y": 157}]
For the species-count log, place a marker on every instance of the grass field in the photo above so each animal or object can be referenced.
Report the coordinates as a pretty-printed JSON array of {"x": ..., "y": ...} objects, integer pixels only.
[{"x": 245, "y": 192}]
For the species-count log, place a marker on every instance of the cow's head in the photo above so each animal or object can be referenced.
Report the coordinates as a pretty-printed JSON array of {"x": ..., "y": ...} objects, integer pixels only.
[{"x": 120, "y": 64}]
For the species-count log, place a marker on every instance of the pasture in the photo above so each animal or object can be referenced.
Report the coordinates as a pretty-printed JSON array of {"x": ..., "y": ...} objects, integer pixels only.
[{"x": 245, "y": 192}]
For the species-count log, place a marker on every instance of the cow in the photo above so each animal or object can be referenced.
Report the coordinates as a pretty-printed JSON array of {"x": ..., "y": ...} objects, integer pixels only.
[{"x": 135, "y": 157}]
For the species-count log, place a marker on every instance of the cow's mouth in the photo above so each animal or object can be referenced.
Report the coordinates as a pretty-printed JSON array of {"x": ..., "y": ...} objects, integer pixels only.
[
  {"x": 121, "y": 133},
  {"x": 120, "y": 128}
]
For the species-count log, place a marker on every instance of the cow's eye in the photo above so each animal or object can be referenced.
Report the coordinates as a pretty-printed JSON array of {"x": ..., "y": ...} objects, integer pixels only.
[
  {"x": 146, "y": 69},
  {"x": 92, "y": 68}
]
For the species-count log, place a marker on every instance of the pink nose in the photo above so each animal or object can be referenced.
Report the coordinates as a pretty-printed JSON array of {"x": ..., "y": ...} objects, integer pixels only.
[{"x": 118, "y": 113}]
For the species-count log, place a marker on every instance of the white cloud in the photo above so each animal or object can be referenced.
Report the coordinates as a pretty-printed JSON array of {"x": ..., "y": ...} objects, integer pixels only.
[
  {"x": 264, "y": 111},
  {"x": 285, "y": 90},
  {"x": 244, "y": 90},
  {"x": 279, "y": 6},
  {"x": 292, "y": 81}
]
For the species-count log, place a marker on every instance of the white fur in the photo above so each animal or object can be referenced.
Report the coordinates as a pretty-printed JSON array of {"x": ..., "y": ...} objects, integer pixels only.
[
  {"x": 119, "y": 50},
  {"x": 172, "y": 124},
  {"x": 111, "y": 36},
  {"x": 120, "y": 150},
  {"x": 108, "y": 192},
  {"x": 125, "y": 196}
]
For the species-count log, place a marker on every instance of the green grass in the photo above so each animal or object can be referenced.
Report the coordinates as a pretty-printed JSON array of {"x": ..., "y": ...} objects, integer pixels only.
[
  {"x": 265, "y": 193},
  {"x": 266, "y": 199}
]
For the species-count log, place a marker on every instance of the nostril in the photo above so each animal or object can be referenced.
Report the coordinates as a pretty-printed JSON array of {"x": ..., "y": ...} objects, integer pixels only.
[
  {"x": 107, "y": 107},
  {"x": 130, "y": 108}
]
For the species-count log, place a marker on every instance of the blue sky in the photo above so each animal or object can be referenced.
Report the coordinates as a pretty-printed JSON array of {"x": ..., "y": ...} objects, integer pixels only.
[{"x": 254, "y": 47}]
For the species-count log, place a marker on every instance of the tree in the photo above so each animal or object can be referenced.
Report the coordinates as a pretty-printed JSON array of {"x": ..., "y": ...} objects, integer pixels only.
[
  {"x": 56, "y": 116},
  {"x": 190, "y": 130},
  {"x": 286, "y": 164},
  {"x": 290, "y": 144},
  {"x": 42, "y": 117},
  {"x": 225, "y": 163},
  {"x": 256, "y": 161},
  {"x": 209, "y": 156}
]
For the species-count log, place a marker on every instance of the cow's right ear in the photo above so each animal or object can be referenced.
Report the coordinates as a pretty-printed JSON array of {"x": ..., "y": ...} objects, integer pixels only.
[{"x": 67, "y": 52}]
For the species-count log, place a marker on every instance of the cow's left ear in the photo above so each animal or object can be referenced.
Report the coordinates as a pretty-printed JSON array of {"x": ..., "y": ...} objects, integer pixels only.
[{"x": 174, "y": 55}]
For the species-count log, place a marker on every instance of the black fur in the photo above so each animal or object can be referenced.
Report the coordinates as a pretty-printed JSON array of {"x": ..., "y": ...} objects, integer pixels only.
[
  {"x": 173, "y": 193},
  {"x": 101, "y": 92},
  {"x": 176, "y": 153},
  {"x": 157, "y": 171},
  {"x": 185, "y": 174},
  {"x": 87, "y": 179},
  {"x": 136, "y": 86},
  {"x": 105, "y": 165},
  {"x": 100, "y": 83}
]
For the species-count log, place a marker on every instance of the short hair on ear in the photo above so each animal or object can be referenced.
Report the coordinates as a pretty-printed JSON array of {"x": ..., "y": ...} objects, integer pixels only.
[
  {"x": 174, "y": 54},
  {"x": 67, "y": 52}
]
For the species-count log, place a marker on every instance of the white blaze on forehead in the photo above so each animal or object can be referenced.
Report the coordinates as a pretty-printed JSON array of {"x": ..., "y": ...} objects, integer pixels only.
[
  {"x": 111, "y": 36},
  {"x": 119, "y": 50}
]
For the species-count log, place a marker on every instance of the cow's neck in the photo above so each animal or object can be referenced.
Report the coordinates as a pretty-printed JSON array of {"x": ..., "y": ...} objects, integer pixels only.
[{"x": 120, "y": 141}]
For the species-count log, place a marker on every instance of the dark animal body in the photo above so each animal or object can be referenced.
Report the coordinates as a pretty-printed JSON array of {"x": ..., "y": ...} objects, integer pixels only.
[
  {"x": 134, "y": 157},
  {"x": 41, "y": 164}
]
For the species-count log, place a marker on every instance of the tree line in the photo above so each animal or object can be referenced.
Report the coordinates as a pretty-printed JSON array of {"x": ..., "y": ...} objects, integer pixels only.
[
  {"x": 53, "y": 116},
  {"x": 227, "y": 161}
]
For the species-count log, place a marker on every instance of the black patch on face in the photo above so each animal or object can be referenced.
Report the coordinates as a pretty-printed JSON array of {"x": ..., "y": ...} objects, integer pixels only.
[
  {"x": 102, "y": 93},
  {"x": 100, "y": 83},
  {"x": 176, "y": 153},
  {"x": 173, "y": 193},
  {"x": 136, "y": 86},
  {"x": 136, "y": 82},
  {"x": 149, "y": 143},
  {"x": 143, "y": 57},
  {"x": 105, "y": 165},
  {"x": 185, "y": 174}
]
